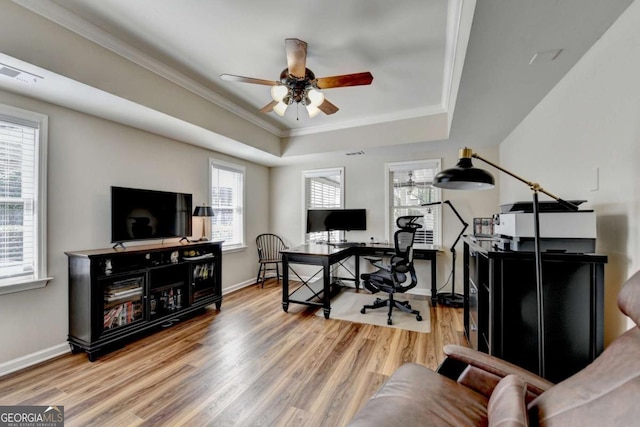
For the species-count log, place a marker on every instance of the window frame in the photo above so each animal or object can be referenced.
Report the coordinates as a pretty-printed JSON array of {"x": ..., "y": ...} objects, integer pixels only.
[
  {"x": 40, "y": 122},
  {"x": 310, "y": 173},
  {"x": 237, "y": 168},
  {"x": 435, "y": 164}
]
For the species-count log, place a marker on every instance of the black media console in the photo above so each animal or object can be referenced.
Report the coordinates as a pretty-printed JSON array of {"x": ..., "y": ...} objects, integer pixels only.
[{"x": 115, "y": 294}]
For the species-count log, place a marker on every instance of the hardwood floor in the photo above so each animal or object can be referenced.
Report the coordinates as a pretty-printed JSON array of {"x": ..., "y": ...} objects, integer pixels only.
[{"x": 249, "y": 364}]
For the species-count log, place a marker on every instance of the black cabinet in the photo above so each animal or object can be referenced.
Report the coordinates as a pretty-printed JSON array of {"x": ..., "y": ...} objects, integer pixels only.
[
  {"x": 500, "y": 312},
  {"x": 115, "y": 294}
]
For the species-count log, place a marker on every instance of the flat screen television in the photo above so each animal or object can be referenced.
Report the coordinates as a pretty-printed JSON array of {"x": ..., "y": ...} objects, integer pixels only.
[
  {"x": 336, "y": 219},
  {"x": 138, "y": 214}
]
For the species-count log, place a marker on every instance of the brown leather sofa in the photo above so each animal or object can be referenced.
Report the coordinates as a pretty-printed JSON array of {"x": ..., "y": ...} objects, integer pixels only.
[{"x": 476, "y": 389}]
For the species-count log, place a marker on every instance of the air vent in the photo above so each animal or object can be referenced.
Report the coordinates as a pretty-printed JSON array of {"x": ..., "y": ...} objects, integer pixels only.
[
  {"x": 355, "y": 153},
  {"x": 17, "y": 74}
]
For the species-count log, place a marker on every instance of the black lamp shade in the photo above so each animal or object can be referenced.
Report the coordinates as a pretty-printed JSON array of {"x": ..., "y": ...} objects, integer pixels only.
[
  {"x": 203, "y": 211},
  {"x": 464, "y": 176}
]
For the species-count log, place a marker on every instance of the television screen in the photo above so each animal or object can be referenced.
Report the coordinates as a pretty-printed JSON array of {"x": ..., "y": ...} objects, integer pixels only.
[
  {"x": 147, "y": 214},
  {"x": 336, "y": 219}
]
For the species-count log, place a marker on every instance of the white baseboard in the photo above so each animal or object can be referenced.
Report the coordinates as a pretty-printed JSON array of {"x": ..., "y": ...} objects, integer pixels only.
[
  {"x": 33, "y": 358},
  {"x": 237, "y": 286}
]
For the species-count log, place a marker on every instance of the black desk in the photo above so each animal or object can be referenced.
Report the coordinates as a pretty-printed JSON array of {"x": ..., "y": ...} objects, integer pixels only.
[{"x": 325, "y": 256}]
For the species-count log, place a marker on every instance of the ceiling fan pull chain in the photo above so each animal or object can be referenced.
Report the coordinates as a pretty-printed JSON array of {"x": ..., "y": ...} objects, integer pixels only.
[{"x": 297, "y": 111}]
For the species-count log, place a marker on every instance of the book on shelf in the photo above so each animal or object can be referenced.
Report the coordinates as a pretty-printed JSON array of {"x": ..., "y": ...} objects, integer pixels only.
[
  {"x": 122, "y": 314},
  {"x": 203, "y": 271},
  {"x": 112, "y": 295}
]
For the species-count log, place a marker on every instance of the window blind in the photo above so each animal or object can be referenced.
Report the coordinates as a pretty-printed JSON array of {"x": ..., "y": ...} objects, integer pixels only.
[
  {"x": 323, "y": 189},
  {"x": 18, "y": 198},
  {"x": 410, "y": 187},
  {"x": 227, "y": 202}
]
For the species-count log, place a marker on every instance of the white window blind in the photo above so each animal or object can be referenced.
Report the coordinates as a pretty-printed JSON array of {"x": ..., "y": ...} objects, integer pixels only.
[
  {"x": 227, "y": 201},
  {"x": 22, "y": 237},
  {"x": 323, "y": 189},
  {"x": 409, "y": 187}
]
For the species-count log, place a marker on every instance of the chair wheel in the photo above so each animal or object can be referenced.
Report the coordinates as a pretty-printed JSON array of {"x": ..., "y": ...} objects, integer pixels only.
[
  {"x": 363, "y": 311},
  {"x": 419, "y": 318},
  {"x": 389, "y": 322}
]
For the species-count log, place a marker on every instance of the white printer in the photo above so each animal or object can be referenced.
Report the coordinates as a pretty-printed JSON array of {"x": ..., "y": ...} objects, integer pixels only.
[{"x": 561, "y": 230}]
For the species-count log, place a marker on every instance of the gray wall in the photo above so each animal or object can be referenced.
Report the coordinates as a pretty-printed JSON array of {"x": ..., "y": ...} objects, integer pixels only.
[
  {"x": 583, "y": 142},
  {"x": 87, "y": 156},
  {"x": 364, "y": 188}
]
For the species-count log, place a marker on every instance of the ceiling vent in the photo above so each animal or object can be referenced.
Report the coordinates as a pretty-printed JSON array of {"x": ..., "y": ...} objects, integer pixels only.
[{"x": 17, "y": 74}]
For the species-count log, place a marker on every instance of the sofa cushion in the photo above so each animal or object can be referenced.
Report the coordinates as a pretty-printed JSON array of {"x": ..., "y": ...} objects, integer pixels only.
[
  {"x": 507, "y": 407},
  {"x": 629, "y": 298},
  {"x": 416, "y": 396},
  {"x": 605, "y": 393}
]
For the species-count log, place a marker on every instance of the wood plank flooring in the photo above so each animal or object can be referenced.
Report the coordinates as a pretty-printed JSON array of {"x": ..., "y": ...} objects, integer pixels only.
[{"x": 249, "y": 364}]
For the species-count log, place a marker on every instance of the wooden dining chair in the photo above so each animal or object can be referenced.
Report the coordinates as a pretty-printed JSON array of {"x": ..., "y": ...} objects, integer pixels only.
[{"x": 269, "y": 257}]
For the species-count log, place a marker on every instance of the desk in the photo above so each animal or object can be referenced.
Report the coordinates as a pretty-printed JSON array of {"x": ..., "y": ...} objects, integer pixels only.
[{"x": 325, "y": 256}]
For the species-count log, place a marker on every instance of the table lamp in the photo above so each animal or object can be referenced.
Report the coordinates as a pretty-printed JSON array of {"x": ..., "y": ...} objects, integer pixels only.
[
  {"x": 204, "y": 212},
  {"x": 463, "y": 176}
]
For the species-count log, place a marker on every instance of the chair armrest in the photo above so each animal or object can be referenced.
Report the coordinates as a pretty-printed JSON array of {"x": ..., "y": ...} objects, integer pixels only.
[{"x": 483, "y": 371}]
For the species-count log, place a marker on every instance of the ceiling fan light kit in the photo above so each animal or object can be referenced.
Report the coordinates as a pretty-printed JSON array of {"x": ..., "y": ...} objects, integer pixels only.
[
  {"x": 280, "y": 108},
  {"x": 279, "y": 92},
  {"x": 299, "y": 85}
]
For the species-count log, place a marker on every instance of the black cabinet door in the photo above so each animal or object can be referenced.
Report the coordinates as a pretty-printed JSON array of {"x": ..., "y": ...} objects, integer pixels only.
[{"x": 570, "y": 314}]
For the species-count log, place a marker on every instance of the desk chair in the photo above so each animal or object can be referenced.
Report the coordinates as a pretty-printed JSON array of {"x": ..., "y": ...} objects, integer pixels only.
[
  {"x": 269, "y": 247},
  {"x": 392, "y": 278}
]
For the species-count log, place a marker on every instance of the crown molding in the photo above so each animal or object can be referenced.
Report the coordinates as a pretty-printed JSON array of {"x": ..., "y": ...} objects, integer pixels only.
[
  {"x": 87, "y": 30},
  {"x": 453, "y": 30},
  {"x": 73, "y": 22}
]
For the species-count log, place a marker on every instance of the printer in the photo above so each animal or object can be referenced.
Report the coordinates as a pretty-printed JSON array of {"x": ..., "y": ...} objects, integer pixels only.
[{"x": 561, "y": 230}]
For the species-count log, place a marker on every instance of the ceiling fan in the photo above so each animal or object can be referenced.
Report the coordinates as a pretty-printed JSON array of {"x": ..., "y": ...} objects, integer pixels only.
[{"x": 299, "y": 85}]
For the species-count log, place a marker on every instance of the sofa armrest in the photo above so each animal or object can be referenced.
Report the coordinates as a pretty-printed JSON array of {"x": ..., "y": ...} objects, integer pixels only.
[{"x": 482, "y": 372}]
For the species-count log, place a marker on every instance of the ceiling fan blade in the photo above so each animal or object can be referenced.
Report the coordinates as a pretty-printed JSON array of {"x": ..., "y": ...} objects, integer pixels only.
[
  {"x": 327, "y": 107},
  {"x": 241, "y": 79},
  {"x": 269, "y": 107},
  {"x": 296, "y": 57},
  {"x": 356, "y": 79}
]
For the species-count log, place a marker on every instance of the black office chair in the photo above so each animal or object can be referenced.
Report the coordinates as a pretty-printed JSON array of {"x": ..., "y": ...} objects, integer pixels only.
[
  {"x": 391, "y": 278},
  {"x": 269, "y": 247}
]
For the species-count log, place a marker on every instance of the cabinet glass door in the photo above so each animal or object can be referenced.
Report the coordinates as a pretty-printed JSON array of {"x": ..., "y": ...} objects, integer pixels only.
[
  {"x": 202, "y": 280},
  {"x": 168, "y": 290},
  {"x": 122, "y": 300}
]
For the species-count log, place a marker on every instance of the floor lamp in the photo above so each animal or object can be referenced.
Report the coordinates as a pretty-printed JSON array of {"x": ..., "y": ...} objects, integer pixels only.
[
  {"x": 464, "y": 176},
  {"x": 452, "y": 299}
]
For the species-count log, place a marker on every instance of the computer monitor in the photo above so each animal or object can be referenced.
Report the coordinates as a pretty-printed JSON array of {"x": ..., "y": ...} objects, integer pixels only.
[{"x": 336, "y": 219}]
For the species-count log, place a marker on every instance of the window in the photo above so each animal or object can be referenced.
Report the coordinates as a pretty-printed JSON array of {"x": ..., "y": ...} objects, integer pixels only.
[
  {"x": 409, "y": 187},
  {"x": 227, "y": 201},
  {"x": 23, "y": 155},
  {"x": 323, "y": 189}
]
